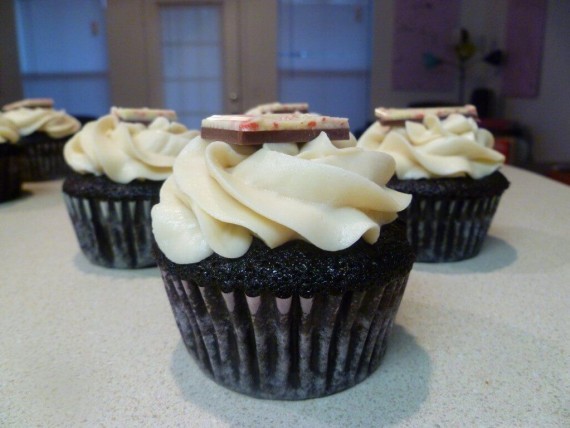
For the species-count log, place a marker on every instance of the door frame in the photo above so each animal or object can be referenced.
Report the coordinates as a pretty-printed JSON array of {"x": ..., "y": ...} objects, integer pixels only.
[
  {"x": 10, "y": 80},
  {"x": 134, "y": 56},
  {"x": 230, "y": 49}
]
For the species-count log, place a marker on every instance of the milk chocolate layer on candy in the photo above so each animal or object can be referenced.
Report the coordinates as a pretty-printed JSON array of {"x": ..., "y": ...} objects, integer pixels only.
[
  {"x": 29, "y": 103},
  {"x": 273, "y": 128},
  {"x": 262, "y": 137},
  {"x": 141, "y": 115},
  {"x": 397, "y": 117}
]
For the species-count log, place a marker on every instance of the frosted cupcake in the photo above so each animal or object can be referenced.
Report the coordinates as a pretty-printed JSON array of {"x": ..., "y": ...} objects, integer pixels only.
[
  {"x": 449, "y": 166},
  {"x": 43, "y": 133},
  {"x": 10, "y": 181},
  {"x": 280, "y": 260},
  {"x": 119, "y": 163}
]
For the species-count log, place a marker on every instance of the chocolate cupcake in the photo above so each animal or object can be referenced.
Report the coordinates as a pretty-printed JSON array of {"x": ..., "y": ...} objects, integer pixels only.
[
  {"x": 447, "y": 163},
  {"x": 10, "y": 181},
  {"x": 119, "y": 163},
  {"x": 283, "y": 273},
  {"x": 43, "y": 131}
]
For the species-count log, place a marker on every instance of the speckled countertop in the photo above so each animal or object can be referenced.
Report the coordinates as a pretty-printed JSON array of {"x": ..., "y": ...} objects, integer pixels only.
[{"x": 484, "y": 342}]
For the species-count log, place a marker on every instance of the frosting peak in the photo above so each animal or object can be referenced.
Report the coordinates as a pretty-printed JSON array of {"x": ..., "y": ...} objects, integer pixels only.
[
  {"x": 8, "y": 131},
  {"x": 127, "y": 151},
  {"x": 450, "y": 147},
  {"x": 220, "y": 196},
  {"x": 55, "y": 123}
]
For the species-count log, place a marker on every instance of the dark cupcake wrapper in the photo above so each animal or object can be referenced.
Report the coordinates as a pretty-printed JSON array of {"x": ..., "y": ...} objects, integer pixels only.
[
  {"x": 448, "y": 218},
  {"x": 446, "y": 230},
  {"x": 42, "y": 159},
  {"x": 10, "y": 177},
  {"x": 113, "y": 233},
  {"x": 284, "y": 348}
]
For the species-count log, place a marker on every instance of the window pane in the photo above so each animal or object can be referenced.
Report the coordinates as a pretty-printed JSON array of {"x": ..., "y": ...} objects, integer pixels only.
[
  {"x": 324, "y": 56},
  {"x": 192, "y": 61},
  {"x": 71, "y": 40},
  {"x": 78, "y": 95},
  {"x": 64, "y": 57}
]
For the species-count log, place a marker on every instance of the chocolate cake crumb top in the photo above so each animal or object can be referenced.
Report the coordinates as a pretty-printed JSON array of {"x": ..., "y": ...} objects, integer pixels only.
[
  {"x": 465, "y": 187},
  {"x": 300, "y": 268},
  {"x": 101, "y": 187}
]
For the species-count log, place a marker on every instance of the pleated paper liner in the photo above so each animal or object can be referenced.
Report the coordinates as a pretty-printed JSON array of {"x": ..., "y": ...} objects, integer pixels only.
[
  {"x": 449, "y": 218},
  {"x": 42, "y": 158},
  {"x": 284, "y": 348},
  {"x": 115, "y": 234},
  {"x": 449, "y": 229}
]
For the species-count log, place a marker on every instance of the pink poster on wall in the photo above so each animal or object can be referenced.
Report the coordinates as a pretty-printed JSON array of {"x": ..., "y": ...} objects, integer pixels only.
[
  {"x": 526, "y": 21},
  {"x": 424, "y": 26}
]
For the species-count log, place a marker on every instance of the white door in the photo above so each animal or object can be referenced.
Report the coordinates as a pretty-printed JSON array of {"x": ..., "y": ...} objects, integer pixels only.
[{"x": 197, "y": 46}]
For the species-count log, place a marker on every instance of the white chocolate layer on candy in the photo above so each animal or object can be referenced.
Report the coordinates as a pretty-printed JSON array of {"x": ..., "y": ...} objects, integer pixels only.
[
  {"x": 220, "y": 196},
  {"x": 144, "y": 115},
  {"x": 274, "y": 122},
  {"x": 126, "y": 151},
  {"x": 394, "y": 116},
  {"x": 278, "y": 108},
  {"x": 450, "y": 147}
]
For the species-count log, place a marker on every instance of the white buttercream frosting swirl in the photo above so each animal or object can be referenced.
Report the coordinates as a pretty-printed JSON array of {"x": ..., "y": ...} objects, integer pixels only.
[
  {"x": 220, "y": 196},
  {"x": 450, "y": 147},
  {"x": 55, "y": 123},
  {"x": 8, "y": 131},
  {"x": 126, "y": 151}
]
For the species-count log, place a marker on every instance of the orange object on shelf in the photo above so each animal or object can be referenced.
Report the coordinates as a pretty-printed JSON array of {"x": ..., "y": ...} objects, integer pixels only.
[{"x": 506, "y": 146}]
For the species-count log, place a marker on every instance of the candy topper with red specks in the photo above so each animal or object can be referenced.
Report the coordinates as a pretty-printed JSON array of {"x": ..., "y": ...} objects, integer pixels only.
[{"x": 273, "y": 128}]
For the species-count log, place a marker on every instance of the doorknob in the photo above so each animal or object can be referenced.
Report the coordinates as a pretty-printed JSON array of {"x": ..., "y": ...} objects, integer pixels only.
[{"x": 233, "y": 96}]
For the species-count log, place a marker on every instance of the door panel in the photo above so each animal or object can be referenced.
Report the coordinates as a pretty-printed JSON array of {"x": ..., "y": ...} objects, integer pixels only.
[{"x": 197, "y": 47}]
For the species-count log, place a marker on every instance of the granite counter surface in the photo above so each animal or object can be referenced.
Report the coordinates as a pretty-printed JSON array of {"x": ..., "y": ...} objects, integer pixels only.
[{"x": 483, "y": 342}]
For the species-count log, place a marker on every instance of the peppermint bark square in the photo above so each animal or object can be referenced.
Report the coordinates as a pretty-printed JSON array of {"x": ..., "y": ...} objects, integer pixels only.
[
  {"x": 273, "y": 128},
  {"x": 397, "y": 117},
  {"x": 141, "y": 115}
]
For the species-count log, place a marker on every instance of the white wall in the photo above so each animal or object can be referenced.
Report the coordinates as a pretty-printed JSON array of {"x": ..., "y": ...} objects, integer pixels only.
[{"x": 546, "y": 117}]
